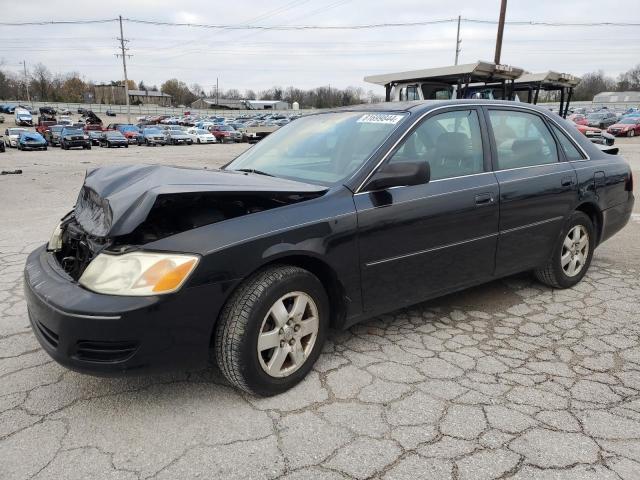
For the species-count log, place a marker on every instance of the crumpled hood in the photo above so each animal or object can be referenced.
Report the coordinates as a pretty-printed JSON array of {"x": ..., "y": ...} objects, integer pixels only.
[{"x": 114, "y": 200}]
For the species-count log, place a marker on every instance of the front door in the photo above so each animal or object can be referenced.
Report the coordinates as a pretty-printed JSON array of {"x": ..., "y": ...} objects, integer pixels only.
[{"x": 418, "y": 241}]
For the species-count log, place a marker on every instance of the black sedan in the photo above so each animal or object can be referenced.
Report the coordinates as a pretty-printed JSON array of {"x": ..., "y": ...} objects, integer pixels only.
[
  {"x": 337, "y": 217},
  {"x": 95, "y": 136},
  {"x": 113, "y": 139},
  {"x": 73, "y": 137},
  {"x": 177, "y": 137}
]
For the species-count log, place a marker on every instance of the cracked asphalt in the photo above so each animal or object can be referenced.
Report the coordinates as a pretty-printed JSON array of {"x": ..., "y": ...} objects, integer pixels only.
[{"x": 507, "y": 380}]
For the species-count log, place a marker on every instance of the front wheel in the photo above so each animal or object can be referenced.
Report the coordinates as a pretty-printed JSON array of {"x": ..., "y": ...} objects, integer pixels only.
[
  {"x": 631, "y": 133},
  {"x": 272, "y": 329},
  {"x": 572, "y": 254}
]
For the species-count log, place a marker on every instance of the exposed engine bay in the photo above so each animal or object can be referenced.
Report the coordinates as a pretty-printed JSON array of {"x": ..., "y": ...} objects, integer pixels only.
[{"x": 170, "y": 214}]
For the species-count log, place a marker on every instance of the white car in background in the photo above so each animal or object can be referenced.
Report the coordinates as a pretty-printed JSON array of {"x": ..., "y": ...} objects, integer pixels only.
[
  {"x": 11, "y": 136},
  {"x": 200, "y": 135}
]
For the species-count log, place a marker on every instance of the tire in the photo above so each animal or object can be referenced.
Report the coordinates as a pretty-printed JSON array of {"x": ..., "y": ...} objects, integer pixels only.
[
  {"x": 247, "y": 313},
  {"x": 88, "y": 147},
  {"x": 126, "y": 146},
  {"x": 44, "y": 148},
  {"x": 553, "y": 273},
  {"x": 199, "y": 141},
  {"x": 631, "y": 133}
]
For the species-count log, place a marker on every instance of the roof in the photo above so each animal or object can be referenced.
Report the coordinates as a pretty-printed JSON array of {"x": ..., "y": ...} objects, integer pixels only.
[
  {"x": 479, "y": 71},
  {"x": 549, "y": 79},
  {"x": 613, "y": 97},
  {"x": 148, "y": 93}
]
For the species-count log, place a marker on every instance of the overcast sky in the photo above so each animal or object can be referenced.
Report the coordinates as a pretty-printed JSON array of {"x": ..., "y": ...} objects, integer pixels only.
[{"x": 259, "y": 59}]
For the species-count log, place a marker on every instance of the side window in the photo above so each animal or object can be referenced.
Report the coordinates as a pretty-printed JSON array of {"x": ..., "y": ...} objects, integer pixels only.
[
  {"x": 570, "y": 150},
  {"x": 412, "y": 92},
  {"x": 522, "y": 139},
  {"x": 450, "y": 142}
]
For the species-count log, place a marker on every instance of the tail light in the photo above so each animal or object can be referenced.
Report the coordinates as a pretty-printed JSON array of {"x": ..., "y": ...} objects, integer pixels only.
[{"x": 628, "y": 186}]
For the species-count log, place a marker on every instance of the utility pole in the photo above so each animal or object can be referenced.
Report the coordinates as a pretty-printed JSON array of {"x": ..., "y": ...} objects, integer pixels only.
[
  {"x": 458, "y": 42},
  {"x": 503, "y": 11},
  {"x": 124, "y": 66},
  {"x": 217, "y": 94},
  {"x": 26, "y": 80}
]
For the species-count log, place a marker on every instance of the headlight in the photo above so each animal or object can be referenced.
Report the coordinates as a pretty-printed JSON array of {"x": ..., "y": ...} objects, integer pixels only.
[
  {"x": 55, "y": 242},
  {"x": 138, "y": 273}
]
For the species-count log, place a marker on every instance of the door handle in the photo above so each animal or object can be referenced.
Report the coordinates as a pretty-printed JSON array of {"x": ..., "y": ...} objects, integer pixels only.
[
  {"x": 484, "y": 199},
  {"x": 567, "y": 181}
]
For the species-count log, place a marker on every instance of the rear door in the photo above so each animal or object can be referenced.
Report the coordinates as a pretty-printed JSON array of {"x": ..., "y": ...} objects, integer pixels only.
[
  {"x": 421, "y": 240},
  {"x": 538, "y": 188}
]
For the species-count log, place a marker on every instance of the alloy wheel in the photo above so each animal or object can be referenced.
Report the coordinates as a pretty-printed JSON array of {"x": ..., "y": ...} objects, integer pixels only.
[
  {"x": 575, "y": 250},
  {"x": 288, "y": 334}
]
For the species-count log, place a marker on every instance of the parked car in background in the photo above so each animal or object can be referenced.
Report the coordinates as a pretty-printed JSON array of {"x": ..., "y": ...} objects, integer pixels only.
[
  {"x": 602, "y": 119},
  {"x": 65, "y": 111},
  {"x": 2, "y": 145},
  {"x": 578, "y": 119},
  {"x": 175, "y": 136},
  {"x": 31, "y": 141},
  {"x": 200, "y": 135},
  {"x": 113, "y": 138},
  {"x": 626, "y": 127},
  {"x": 11, "y": 136},
  {"x": 1, "y": 118},
  {"x": 52, "y": 135},
  {"x": 131, "y": 132},
  {"x": 73, "y": 137},
  {"x": 110, "y": 113},
  {"x": 596, "y": 135},
  {"x": 152, "y": 137},
  {"x": 225, "y": 133},
  {"x": 23, "y": 117},
  {"x": 94, "y": 136},
  {"x": 65, "y": 120}
]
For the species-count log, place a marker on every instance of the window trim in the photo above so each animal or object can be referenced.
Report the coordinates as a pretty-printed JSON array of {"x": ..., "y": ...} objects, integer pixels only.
[
  {"x": 356, "y": 186},
  {"x": 494, "y": 147},
  {"x": 486, "y": 160}
]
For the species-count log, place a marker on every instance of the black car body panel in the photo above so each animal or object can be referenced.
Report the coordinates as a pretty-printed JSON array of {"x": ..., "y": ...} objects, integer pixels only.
[{"x": 374, "y": 250}]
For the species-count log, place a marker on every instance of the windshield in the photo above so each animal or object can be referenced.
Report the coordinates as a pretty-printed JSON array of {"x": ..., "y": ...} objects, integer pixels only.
[
  {"x": 16, "y": 131},
  {"x": 114, "y": 135},
  {"x": 72, "y": 131},
  {"x": 325, "y": 148},
  {"x": 596, "y": 116},
  {"x": 202, "y": 132},
  {"x": 56, "y": 129},
  {"x": 127, "y": 128},
  {"x": 630, "y": 121},
  {"x": 151, "y": 131}
]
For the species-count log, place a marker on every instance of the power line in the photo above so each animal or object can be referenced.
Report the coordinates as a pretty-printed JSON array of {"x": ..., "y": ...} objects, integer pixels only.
[{"x": 324, "y": 27}]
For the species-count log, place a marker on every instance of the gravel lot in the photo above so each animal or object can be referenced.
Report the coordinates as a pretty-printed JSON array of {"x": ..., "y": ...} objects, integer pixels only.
[{"x": 507, "y": 380}]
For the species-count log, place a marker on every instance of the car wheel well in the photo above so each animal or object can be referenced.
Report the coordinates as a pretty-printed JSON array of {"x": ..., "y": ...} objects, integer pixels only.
[
  {"x": 324, "y": 273},
  {"x": 594, "y": 213}
]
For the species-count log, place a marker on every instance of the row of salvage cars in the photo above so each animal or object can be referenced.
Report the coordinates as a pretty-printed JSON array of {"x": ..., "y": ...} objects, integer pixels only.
[
  {"x": 603, "y": 126},
  {"x": 68, "y": 137}
]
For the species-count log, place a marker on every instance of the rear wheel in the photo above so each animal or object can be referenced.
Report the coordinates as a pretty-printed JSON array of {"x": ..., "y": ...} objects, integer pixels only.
[
  {"x": 572, "y": 255},
  {"x": 272, "y": 329}
]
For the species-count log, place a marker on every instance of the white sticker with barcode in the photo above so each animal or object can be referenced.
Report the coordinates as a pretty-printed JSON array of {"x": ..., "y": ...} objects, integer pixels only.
[{"x": 380, "y": 118}]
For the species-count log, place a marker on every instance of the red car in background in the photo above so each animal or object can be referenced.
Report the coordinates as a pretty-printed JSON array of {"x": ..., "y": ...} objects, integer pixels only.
[
  {"x": 625, "y": 127},
  {"x": 596, "y": 135},
  {"x": 578, "y": 119},
  {"x": 225, "y": 133}
]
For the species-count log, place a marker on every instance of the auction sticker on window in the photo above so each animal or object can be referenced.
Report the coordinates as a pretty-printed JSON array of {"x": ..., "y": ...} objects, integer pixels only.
[{"x": 380, "y": 118}]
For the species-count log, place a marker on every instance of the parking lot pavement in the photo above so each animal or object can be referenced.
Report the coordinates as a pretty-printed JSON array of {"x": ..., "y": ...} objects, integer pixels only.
[{"x": 507, "y": 380}]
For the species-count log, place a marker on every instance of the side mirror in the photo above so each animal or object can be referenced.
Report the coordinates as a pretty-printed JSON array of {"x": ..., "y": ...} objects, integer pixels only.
[{"x": 400, "y": 175}]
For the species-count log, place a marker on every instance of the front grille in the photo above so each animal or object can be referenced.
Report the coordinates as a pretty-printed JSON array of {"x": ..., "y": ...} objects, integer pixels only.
[
  {"x": 49, "y": 335},
  {"x": 106, "y": 352}
]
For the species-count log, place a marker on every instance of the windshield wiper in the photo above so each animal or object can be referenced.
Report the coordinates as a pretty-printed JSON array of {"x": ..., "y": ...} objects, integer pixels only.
[{"x": 253, "y": 170}]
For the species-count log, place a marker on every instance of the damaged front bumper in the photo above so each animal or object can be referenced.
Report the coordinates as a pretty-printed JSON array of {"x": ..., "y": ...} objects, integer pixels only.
[{"x": 117, "y": 335}]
